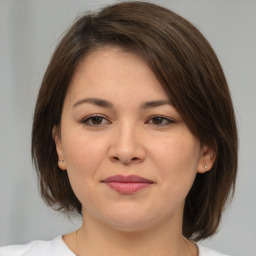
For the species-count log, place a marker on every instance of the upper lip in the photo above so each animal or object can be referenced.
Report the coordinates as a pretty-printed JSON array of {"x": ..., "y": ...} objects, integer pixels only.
[{"x": 127, "y": 179}]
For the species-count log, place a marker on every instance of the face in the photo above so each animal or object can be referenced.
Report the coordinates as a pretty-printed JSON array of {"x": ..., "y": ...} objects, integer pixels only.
[{"x": 130, "y": 158}]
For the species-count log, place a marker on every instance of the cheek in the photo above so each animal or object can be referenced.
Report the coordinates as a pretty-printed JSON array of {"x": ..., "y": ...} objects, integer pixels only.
[
  {"x": 83, "y": 155},
  {"x": 178, "y": 152},
  {"x": 83, "y": 158},
  {"x": 177, "y": 161}
]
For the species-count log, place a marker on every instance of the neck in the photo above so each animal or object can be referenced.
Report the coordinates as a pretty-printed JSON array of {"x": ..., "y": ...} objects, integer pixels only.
[{"x": 94, "y": 238}]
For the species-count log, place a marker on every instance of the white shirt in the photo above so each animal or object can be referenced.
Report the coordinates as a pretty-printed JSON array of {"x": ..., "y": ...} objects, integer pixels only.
[{"x": 57, "y": 247}]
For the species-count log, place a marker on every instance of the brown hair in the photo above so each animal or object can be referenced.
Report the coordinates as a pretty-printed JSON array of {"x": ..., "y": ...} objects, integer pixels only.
[{"x": 189, "y": 71}]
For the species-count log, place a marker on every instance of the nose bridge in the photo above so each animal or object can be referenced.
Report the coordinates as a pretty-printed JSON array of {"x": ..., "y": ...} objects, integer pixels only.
[
  {"x": 128, "y": 135},
  {"x": 127, "y": 143}
]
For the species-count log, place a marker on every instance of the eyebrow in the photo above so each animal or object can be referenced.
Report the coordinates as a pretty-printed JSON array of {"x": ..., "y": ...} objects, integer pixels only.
[
  {"x": 155, "y": 103},
  {"x": 94, "y": 101},
  {"x": 108, "y": 104}
]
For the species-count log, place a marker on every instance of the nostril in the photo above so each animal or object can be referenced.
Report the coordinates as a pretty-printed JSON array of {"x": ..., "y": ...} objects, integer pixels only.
[{"x": 126, "y": 160}]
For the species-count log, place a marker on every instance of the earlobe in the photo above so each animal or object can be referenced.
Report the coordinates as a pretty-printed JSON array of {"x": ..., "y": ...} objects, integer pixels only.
[
  {"x": 58, "y": 145},
  {"x": 207, "y": 160}
]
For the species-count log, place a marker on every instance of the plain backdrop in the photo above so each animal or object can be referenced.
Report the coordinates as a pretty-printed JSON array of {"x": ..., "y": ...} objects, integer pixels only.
[{"x": 29, "y": 32}]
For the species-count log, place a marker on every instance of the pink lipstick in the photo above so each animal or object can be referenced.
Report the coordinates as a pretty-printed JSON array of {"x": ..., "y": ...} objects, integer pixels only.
[{"x": 127, "y": 184}]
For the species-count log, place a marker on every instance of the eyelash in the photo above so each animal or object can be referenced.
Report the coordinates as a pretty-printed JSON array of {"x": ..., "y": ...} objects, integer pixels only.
[
  {"x": 89, "y": 120},
  {"x": 162, "y": 118}
]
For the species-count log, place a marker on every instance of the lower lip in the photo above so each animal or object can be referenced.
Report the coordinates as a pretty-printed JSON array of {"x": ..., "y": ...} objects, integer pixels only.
[{"x": 128, "y": 188}]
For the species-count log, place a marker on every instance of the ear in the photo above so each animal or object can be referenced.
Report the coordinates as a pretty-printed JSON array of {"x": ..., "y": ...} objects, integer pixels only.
[
  {"x": 59, "y": 150},
  {"x": 207, "y": 159}
]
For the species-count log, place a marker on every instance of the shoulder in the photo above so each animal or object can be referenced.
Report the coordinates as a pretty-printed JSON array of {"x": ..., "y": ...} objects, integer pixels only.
[
  {"x": 54, "y": 247},
  {"x": 203, "y": 251}
]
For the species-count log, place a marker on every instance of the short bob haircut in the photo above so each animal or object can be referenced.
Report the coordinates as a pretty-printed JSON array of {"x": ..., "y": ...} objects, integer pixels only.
[{"x": 190, "y": 73}]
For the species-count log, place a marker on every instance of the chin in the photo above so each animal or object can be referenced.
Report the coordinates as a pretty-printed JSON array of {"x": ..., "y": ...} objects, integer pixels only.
[
  {"x": 130, "y": 226},
  {"x": 130, "y": 221}
]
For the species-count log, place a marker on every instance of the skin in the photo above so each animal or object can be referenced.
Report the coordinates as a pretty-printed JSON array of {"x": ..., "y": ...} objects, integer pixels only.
[{"x": 126, "y": 138}]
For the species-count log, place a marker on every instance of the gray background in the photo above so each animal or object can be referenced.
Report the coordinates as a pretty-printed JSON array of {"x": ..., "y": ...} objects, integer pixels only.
[{"x": 29, "y": 31}]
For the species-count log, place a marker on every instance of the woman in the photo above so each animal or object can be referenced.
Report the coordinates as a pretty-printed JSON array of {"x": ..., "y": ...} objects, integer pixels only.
[{"x": 134, "y": 130}]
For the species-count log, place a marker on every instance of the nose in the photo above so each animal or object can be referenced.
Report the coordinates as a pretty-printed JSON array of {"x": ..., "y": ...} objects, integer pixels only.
[{"x": 127, "y": 146}]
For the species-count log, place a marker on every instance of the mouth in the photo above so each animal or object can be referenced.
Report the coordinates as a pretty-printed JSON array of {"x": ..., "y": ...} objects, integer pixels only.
[{"x": 127, "y": 184}]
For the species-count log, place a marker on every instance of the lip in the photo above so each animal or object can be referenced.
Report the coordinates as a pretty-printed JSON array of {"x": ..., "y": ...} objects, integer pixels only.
[{"x": 127, "y": 184}]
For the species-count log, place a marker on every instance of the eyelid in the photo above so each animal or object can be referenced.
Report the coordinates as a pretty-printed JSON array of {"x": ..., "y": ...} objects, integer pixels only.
[
  {"x": 85, "y": 120},
  {"x": 168, "y": 119},
  {"x": 89, "y": 117}
]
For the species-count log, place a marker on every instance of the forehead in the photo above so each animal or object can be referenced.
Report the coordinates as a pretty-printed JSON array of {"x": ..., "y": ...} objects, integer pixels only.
[{"x": 113, "y": 71}]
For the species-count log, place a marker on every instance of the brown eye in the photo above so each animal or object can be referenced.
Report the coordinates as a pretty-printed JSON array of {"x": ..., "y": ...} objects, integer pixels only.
[
  {"x": 157, "y": 120},
  {"x": 95, "y": 120},
  {"x": 160, "y": 121}
]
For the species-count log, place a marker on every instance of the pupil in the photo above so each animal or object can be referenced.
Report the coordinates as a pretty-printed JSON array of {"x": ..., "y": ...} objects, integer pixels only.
[
  {"x": 157, "y": 120},
  {"x": 97, "y": 120}
]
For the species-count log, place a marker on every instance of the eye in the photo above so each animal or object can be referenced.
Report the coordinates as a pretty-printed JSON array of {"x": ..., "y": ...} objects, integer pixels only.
[
  {"x": 160, "y": 121},
  {"x": 95, "y": 120}
]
